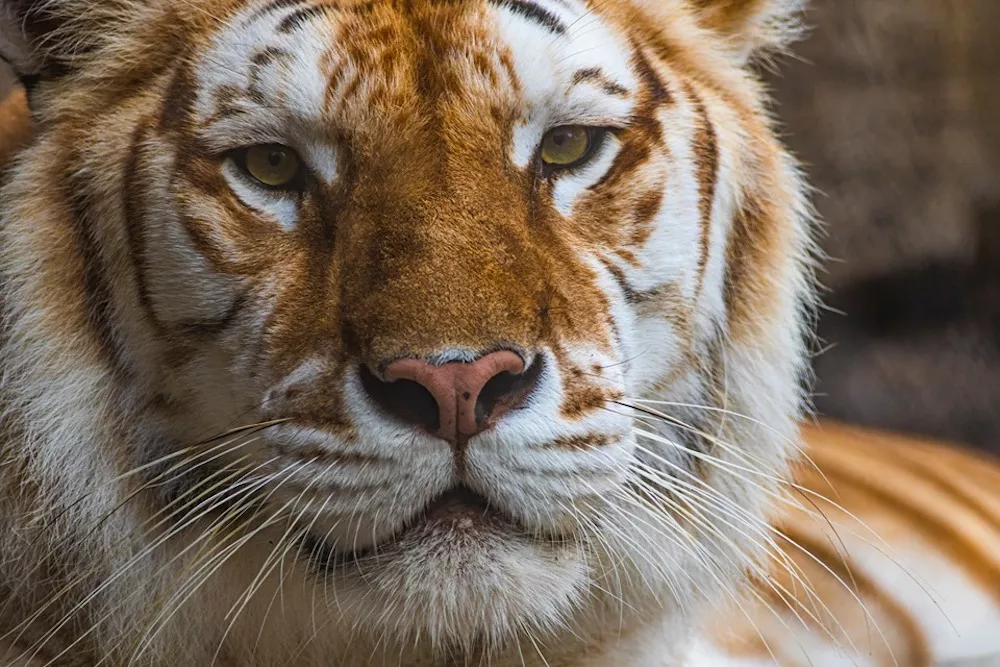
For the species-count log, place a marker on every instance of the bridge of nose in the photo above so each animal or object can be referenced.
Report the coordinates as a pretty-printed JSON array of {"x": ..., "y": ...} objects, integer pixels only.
[{"x": 430, "y": 260}]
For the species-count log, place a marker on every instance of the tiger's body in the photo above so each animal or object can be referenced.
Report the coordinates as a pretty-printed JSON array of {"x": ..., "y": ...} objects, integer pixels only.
[
  {"x": 379, "y": 332},
  {"x": 889, "y": 554}
]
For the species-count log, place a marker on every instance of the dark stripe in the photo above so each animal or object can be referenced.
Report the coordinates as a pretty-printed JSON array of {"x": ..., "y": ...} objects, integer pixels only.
[
  {"x": 656, "y": 93},
  {"x": 630, "y": 157},
  {"x": 596, "y": 76},
  {"x": 258, "y": 62},
  {"x": 628, "y": 292},
  {"x": 534, "y": 13},
  {"x": 964, "y": 551},
  {"x": 267, "y": 56},
  {"x": 631, "y": 294},
  {"x": 134, "y": 232},
  {"x": 213, "y": 327},
  {"x": 300, "y": 17},
  {"x": 98, "y": 301},
  {"x": 274, "y": 6},
  {"x": 744, "y": 255},
  {"x": 579, "y": 443},
  {"x": 706, "y": 158},
  {"x": 175, "y": 110},
  {"x": 644, "y": 131},
  {"x": 855, "y": 581}
]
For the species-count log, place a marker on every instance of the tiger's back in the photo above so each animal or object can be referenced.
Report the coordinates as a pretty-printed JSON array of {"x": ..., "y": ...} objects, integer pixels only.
[{"x": 887, "y": 553}]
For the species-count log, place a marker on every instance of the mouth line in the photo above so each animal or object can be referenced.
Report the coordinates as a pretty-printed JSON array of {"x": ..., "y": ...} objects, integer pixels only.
[{"x": 459, "y": 505}]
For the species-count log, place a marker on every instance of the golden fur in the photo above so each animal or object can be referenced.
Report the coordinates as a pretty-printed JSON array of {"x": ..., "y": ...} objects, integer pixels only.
[
  {"x": 205, "y": 457},
  {"x": 887, "y": 552}
]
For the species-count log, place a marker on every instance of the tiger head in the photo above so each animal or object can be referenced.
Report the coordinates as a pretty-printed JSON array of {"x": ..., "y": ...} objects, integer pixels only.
[{"x": 482, "y": 319}]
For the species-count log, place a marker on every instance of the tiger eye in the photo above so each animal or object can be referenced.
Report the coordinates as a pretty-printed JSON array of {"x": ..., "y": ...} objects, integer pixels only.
[
  {"x": 566, "y": 145},
  {"x": 273, "y": 165}
]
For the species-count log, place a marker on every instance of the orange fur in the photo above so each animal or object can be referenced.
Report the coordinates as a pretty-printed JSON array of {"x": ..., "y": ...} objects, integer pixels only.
[
  {"x": 156, "y": 296},
  {"x": 865, "y": 503},
  {"x": 16, "y": 128}
]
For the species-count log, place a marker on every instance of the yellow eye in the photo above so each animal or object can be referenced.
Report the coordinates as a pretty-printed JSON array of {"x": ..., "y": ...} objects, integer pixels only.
[
  {"x": 567, "y": 145},
  {"x": 271, "y": 164}
]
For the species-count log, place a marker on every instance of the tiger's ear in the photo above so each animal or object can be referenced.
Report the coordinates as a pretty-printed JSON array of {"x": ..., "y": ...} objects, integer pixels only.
[
  {"x": 45, "y": 40},
  {"x": 33, "y": 37},
  {"x": 751, "y": 26},
  {"x": 52, "y": 37}
]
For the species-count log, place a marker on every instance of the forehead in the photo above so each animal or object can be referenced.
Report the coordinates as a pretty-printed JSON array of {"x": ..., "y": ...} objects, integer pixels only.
[{"x": 352, "y": 61}]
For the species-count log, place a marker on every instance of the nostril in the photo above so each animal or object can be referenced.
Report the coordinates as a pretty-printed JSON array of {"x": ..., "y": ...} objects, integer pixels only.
[
  {"x": 506, "y": 391},
  {"x": 406, "y": 400},
  {"x": 456, "y": 400}
]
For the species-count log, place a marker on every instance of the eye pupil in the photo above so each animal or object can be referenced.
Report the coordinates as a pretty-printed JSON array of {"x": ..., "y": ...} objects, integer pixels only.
[
  {"x": 273, "y": 165},
  {"x": 567, "y": 146}
]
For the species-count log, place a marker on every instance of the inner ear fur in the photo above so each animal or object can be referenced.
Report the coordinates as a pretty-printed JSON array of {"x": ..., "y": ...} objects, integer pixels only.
[
  {"x": 50, "y": 38},
  {"x": 751, "y": 26}
]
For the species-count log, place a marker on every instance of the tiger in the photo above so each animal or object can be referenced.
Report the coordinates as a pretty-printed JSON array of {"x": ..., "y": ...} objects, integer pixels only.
[{"x": 422, "y": 333}]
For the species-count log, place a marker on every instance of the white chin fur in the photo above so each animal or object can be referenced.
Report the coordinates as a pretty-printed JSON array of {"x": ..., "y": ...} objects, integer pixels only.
[{"x": 461, "y": 585}]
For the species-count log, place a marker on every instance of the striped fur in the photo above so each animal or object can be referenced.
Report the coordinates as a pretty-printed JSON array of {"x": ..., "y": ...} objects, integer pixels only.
[
  {"x": 887, "y": 553},
  {"x": 193, "y": 471}
]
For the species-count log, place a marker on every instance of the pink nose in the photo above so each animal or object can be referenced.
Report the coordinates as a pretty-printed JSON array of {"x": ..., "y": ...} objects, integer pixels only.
[{"x": 464, "y": 398}]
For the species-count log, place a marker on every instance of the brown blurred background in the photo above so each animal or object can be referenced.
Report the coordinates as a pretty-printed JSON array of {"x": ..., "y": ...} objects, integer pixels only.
[
  {"x": 894, "y": 105},
  {"x": 6, "y": 79}
]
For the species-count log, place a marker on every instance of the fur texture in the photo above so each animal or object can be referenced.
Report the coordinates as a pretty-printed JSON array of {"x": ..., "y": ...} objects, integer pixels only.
[{"x": 193, "y": 469}]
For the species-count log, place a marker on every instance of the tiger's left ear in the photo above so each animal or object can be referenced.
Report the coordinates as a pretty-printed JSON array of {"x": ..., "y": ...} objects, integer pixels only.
[{"x": 751, "y": 26}]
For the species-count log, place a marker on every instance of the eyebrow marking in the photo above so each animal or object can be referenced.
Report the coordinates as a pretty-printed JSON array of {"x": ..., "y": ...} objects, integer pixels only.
[
  {"x": 596, "y": 76},
  {"x": 300, "y": 17},
  {"x": 533, "y": 12},
  {"x": 258, "y": 63},
  {"x": 268, "y": 55},
  {"x": 274, "y": 6}
]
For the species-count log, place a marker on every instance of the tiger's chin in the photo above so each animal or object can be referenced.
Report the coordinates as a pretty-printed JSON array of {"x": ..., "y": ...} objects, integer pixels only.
[{"x": 462, "y": 575}]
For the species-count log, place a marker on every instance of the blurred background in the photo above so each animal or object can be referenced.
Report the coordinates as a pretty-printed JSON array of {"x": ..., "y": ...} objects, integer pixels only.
[{"x": 894, "y": 106}]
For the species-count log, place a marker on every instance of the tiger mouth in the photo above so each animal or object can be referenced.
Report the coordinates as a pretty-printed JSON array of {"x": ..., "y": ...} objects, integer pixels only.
[{"x": 459, "y": 508}]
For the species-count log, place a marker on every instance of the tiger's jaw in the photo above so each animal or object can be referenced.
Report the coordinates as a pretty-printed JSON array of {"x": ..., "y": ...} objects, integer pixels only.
[
  {"x": 461, "y": 542},
  {"x": 461, "y": 574}
]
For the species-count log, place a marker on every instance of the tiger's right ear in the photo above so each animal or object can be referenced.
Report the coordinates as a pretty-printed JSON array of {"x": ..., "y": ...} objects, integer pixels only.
[{"x": 51, "y": 41}]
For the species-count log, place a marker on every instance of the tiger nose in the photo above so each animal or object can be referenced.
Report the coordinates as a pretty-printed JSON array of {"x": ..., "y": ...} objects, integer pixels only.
[{"x": 455, "y": 401}]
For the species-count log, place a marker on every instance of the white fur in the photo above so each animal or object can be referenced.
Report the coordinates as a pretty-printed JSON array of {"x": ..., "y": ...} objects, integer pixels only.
[{"x": 625, "y": 589}]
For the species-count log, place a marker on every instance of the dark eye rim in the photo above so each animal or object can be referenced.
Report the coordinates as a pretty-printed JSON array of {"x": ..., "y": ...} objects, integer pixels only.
[
  {"x": 596, "y": 137},
  {"x": 297, "y": 185}
]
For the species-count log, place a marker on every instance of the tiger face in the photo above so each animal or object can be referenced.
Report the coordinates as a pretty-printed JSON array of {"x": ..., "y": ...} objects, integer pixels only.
[{"x": 490, "y": 300}]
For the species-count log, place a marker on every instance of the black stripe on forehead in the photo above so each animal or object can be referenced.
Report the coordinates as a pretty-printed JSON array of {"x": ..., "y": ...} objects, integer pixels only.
[
  {"x": 303, "y": 15},
  {"x": 274, "y": 6},
  {"x": 533, "y": 12},
  {"x": 597, "y": 77}
]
